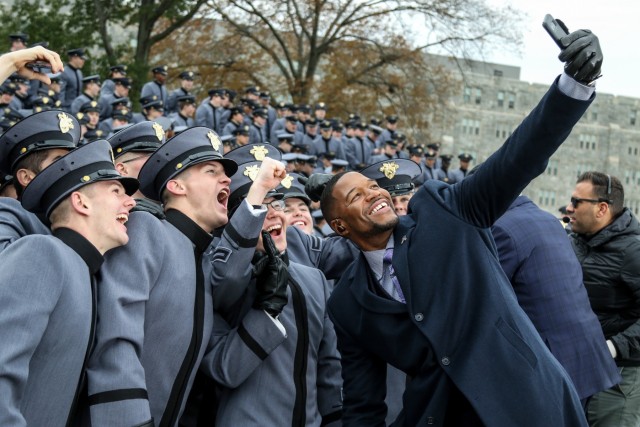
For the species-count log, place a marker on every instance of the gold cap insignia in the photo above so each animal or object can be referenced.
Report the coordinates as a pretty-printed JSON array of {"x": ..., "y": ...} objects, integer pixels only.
[
  {"x": 86, "y": 178},
  {"x": 119, "y": 149},
  {"x": 23, "y": 150},
  {"x": 65, "y": 122},
  {"x": 259, "y": 152},
  {"x": 158, "y": 129},
  {"x": 215, "y": 141},
  {"x": 287, "y": 181},
  {"x": 251, "y": 172},
  {"x": 94, "y": 104},
  {"x": 45, "y": 100},
  {"x": 389, "y": 169},
  {"x": 179, "y": 166}
]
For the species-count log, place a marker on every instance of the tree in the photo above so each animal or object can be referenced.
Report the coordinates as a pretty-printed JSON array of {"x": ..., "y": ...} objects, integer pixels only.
[{"x": 297, "y": 35}]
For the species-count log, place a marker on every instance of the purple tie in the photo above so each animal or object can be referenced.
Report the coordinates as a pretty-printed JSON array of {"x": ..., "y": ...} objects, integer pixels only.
[{"x": 389, "y": 280}]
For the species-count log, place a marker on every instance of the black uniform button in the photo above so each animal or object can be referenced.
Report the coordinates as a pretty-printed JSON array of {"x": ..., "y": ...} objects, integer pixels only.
[
  {"x": 445, "y": 361},
  {"x": 418, "y": 317}
]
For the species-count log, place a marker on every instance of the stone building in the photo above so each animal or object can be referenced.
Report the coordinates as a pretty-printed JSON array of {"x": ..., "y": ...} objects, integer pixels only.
[{"x": 492, "y": 101}]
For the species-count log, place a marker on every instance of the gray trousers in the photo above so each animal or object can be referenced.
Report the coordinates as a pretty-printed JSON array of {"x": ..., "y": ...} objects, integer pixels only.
[{"x": 618, "y": 406}]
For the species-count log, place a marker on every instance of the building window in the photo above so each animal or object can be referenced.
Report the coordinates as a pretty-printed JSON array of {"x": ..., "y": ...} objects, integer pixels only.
[
  {"x": 552, "y": 168},
  {"x": 594, "y": 114},
  {"x": 477, "y": 127},
  {"x": 467, "y": 95},
  {"x": 632, "y": 117},
  {"x": 587, "y": 142},
  {"x": 512, "y": 101},
  {"x": 478, "y": 95},
  {"x": 500, "y": 99},
  {"x": 497, "y": 73},
  {"x": 547, "y": 198}
]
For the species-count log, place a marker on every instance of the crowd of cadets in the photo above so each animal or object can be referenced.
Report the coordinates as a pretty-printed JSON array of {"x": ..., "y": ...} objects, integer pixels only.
[{"x": 308, "y": 138}]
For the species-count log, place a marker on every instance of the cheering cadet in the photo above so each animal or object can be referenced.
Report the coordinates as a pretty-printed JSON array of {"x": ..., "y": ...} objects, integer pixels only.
[
  {"x": 155, "y": 301},
  {"x": 269, "y": 321},
  {"x": 25, "y": 150},
  {"x": 48, "y": 313}
]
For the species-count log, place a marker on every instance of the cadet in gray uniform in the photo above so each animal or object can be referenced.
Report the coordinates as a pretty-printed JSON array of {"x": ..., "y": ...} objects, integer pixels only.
[
  {"x": 273, "y": 349},
  {"x": 155, "y": 298},
  {"x": 48, "y": 313},
  {"x": 132, "y": 146},
  {"x": 156, "y": 87},
  {"x": 25, "y": 149},
  {"x": 91, "y": 90},
  {"x": 71, "y": 78}
]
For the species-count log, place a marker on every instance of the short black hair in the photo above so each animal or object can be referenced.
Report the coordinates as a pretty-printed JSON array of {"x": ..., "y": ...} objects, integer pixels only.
[
  {"x": 327, "y": 201},
  {"x": 606, "y": 188}
]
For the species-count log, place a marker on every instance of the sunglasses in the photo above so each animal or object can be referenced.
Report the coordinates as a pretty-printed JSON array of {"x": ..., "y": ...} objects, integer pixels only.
[{"x": 575, "y": 201}]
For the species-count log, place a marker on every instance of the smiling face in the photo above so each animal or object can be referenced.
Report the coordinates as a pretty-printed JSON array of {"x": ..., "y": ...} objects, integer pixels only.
[
  {"x": 298, "y": 214},
  {"x": 363, "y": 212},
  {"x": 275, "y": 223},
  {"x": 110, "y": 208},
  {"x": 401, "y": 203},
  {"x": 203, "y": 194}
]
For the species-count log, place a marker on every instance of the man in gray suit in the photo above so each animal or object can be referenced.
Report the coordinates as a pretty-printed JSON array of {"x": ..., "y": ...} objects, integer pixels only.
[
  {"x": 155, "y": 303},
  {"x": 156, "y": 86},
  {"x": 48, "y": 313}
]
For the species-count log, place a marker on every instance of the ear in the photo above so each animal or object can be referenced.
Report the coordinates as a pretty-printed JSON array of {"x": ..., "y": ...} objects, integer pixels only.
[
  {"x": 24, "y": 176},
  {"x": 121, "y": 168},
  {"x": 79, "y": 203},
  {"x": 603, "y": 209},
  {"x": 175, "y": 186},
  {"x": 339, "y": 227}
]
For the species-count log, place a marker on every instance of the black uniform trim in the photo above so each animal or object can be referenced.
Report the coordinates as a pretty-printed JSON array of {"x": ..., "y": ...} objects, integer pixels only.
[
  {"x": 332, "y": 417},
  {"x": 251, "y": 343},
  {"x": 118, "y": 395},
  {"x": 236, "y": 237},
  {"x": 301, "y": 358},
  {"x": 201, "y": 240}
]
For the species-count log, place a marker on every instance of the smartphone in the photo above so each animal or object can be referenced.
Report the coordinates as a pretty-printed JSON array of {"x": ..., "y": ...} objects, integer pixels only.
[
  {"x": 38, "y": 66},
  {"x": 556, "y": 29}
]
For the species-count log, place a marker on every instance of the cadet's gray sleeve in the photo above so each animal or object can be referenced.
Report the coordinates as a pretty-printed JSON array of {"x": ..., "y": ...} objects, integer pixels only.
[
  {"x": 231, "y": 259},
  {"x": 234, "y": 353},
  {"x": 116, "y": 378},
  {"x": 15, "y": 222},
  {"x": 147, "y": 90},
  {"x": 76, "y": 104},
  {"x": 331, "y": 255},
  {"x": 329, "y": 372},
  {"x": 27, "y": 297}
]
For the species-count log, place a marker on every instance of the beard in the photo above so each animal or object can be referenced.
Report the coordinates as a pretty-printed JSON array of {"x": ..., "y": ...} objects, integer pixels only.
[{"x": 377, "y": 228}]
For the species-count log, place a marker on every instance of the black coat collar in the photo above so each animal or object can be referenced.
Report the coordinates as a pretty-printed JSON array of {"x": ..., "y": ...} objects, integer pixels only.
[
  {"x": 89, "y": 253},
  {"x": 200, "y": 238}
]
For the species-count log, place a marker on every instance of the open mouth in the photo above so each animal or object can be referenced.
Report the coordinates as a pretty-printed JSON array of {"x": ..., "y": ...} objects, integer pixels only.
[
  {"x": 274, "y": 230},
  {"x": 122, "y": 218},
  {"x": 378, "y": 206},
  {"x": 223, "y": 197},
  {"x": 299, "y": 223}
]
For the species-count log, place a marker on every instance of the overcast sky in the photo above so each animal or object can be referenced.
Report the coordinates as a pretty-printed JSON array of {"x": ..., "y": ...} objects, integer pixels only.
[{"x": 615, "y": 22}]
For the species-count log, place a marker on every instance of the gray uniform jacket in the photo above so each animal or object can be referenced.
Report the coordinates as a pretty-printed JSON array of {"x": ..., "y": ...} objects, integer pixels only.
[
  {"x": 358, "y": 151},
  {"x": 107, "y": 88},
  {"x": 16, "y": 222},
  {"x": 330, "y": 145},
  {"x": 209, "y": 116},
  {"x": 180, "y": 120},
  {"x": 257, "y": 135},
  {"x": 156, "y": 320},
  {"x": 79, "y": 102},
  {"x": 276, "y": 127},
  {"x": 251, "y": 358},
  {"x": 70, "y": 86},
  {"x": 157, "y": 89},
  {"x": 172, "y": 101},
  {"x": 46, "y": 327}
]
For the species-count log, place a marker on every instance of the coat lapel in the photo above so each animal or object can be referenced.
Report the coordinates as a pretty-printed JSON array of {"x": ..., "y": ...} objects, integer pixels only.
[
  {"x": 361, "y": 285},
  {"x": 400, "y": 261}
]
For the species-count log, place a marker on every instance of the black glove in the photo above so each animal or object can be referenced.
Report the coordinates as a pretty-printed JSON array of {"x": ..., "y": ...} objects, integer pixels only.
[
  {"x": 582, "y": 56},
  {"x": 272, "y": 278},
  {"x": 314, "y": 185}
]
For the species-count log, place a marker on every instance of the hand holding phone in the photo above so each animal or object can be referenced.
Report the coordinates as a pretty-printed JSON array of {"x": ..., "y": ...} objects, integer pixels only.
[{"x": 556, "y": 29}]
